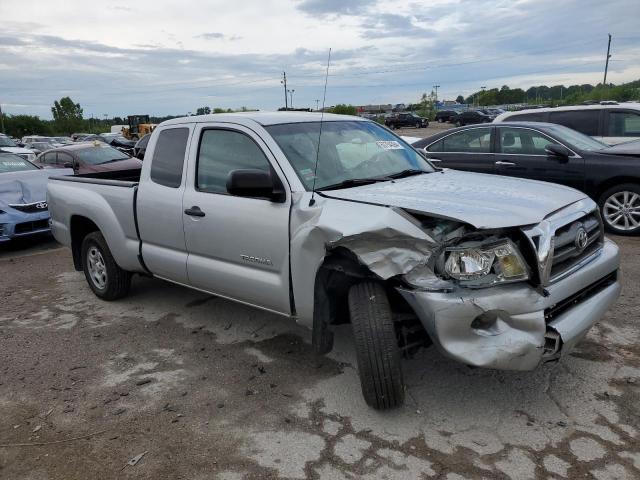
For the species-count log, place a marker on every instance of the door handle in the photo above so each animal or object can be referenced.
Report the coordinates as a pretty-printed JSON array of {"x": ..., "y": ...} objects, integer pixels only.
[
  {"x": 436, "y": 160},
  {"x": 194, "y": 211},
  {"x": 505, "y": 164}
]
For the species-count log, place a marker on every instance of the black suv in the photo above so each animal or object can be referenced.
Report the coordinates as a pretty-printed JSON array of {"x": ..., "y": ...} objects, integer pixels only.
[
  {"x": 398, "y": 120},
  {"x": 473, "y": 116},
  {"x": 446, "y": 115}
]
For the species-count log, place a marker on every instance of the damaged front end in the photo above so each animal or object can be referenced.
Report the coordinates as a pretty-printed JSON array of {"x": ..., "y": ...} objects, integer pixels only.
[{"x": 483, "y": 296}]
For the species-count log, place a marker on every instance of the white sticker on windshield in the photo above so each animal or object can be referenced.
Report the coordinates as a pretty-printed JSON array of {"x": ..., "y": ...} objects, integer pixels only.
[{"x": 390, "y": 145}]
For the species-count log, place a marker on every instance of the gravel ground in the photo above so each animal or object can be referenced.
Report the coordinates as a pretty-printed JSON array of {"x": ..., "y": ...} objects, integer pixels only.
[{"x": 196, "y": 387}]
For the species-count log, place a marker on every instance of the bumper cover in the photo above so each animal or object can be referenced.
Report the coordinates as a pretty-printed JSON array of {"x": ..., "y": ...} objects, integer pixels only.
[{"x": 514, "y": 322}]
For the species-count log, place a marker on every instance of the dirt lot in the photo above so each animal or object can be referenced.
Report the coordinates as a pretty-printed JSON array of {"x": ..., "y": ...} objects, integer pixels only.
[{"x": 208, "y": 389}]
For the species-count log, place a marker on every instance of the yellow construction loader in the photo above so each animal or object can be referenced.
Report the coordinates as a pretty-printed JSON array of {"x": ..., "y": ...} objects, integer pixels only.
[{"x": 138, "y": 127}]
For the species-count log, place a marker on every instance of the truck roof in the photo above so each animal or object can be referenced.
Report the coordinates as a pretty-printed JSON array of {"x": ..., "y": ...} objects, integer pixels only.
[{"x": 263, "y": 118}]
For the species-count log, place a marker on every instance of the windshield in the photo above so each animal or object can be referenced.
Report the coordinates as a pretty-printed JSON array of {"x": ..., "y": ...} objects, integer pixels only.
[
  {"x": 349, "y": 150},
  {"x": 6, "y": 142},
  {"x": 577, "y": 139},
  {"x": 99, "y": 154},
  {"x": 13, "y": 163}
]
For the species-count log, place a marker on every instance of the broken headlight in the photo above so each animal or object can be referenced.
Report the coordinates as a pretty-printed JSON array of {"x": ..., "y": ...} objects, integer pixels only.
[{"x": 486, "y": 264}]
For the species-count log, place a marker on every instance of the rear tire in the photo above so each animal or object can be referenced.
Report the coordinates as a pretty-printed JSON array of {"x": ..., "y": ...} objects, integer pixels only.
[
  {"x": 377, "y": 351},
  {"x": 620, "y": 207},
  {"x": 107, "y": 280}
]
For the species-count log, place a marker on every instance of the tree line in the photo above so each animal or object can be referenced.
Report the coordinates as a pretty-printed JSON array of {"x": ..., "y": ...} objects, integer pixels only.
[{"x": 554, "y": 95}]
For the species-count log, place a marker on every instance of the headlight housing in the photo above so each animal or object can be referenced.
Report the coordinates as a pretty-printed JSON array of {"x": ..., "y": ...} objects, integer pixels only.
[{"x": 486, "y": 265}]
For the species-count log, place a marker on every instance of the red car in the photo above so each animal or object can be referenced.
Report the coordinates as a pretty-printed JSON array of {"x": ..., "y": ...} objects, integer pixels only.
[{"x": 89, "y": 157}]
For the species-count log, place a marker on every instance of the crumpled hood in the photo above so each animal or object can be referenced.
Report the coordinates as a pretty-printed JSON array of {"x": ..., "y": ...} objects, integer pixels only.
[
  {"x": 28, "y": 186},
  {"x": 483, "y": 201}
]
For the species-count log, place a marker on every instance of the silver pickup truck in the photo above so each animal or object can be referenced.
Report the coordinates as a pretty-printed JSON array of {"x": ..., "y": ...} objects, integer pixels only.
[{"x": 341, "y": 221}]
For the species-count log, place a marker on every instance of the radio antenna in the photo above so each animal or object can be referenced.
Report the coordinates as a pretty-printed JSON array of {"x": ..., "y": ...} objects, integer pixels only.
[{"x": 324, "y": 97}]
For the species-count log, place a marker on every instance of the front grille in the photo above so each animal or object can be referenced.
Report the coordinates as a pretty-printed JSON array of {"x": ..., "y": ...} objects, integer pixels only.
[
  {"x": 580, "y": 296},
  {"x": 567, "y": 253},
  {"x": 30, "y": 207},
  {"x": 26, "y": 227}
]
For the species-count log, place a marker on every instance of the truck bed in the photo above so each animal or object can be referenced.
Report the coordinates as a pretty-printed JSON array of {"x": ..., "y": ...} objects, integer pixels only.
[{"x": 106, "y": 200}]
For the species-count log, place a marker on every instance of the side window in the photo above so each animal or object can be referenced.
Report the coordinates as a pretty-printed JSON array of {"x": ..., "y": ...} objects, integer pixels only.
[
  {"x": 49, "y": 158},
  {"x": 222, "y": 151},
  {"x": 584, "y": 121},
  {"x": 528, "y": 117},
  {"x": 624, "y": 124},
  {"x": 522, "y": 141},
  {"x": 168, "y": 157},
  {"x": 436, "y": 147},
  {"x": 476, "y": 140},
  {"x": 64, "y": 158}
]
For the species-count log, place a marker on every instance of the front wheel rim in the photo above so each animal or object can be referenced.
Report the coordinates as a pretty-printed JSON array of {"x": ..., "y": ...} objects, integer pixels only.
[
  {"x": 621, "y": 210},
  {"x": 97, "y": 268}
]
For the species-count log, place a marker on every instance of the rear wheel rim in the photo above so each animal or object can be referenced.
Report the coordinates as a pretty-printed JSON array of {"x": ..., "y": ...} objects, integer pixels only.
[
  {"x": 97, "y": 268},
  {"x": 621, "y": 210}
]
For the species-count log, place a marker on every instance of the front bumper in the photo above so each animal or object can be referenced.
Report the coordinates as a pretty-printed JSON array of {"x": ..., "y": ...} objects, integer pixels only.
[
  {"x": 516, "y": 326},
  {"x": 24, "y": 225}
]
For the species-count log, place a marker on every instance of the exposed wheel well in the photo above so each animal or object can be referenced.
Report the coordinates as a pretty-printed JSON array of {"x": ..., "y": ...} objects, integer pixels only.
[
  {"x": 80, "y": 227},
  {"x": 338, "y": 272}
]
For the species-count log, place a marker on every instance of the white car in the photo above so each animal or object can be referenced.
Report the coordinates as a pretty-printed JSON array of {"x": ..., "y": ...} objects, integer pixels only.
[
  {"x": 609, "y": 122},
  {"x": 8, "y": 145}
]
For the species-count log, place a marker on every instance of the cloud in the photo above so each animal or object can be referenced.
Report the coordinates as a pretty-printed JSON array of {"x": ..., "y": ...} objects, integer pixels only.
[
  {"x": 335, "y": 7},
  {"x": 211, "y": 35},
  {"x": 391, "y": 25}
]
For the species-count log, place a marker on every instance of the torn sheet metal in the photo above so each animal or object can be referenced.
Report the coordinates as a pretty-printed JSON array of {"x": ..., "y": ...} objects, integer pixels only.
[{"x": 387, "y": 240}]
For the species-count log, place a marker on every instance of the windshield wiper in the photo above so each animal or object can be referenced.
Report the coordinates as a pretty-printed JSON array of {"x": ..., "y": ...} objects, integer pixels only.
[
  {"x": 406, "y": 173},
  {"x": 352, "y": 182}
]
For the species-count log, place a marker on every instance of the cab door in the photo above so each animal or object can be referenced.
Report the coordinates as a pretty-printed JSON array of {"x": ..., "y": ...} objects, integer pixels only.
[
  {"x": 520, "y": 152},
  {"x": 238, "y": 247},
  {"x": 159, "y": 204}
]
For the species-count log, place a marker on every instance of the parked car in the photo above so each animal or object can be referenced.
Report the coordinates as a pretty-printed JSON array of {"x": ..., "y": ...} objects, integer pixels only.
[
  {"x": 470, "y": 117},
  {"x": 39, "y": 147},
  {"x": 608, "y": 123},
  {"x": 140, "y": 147},
  {"x": 495, "y": 271},
  {"x": 121, "y": 143},
  {"x": 76, "y": 137},
  {"x": 445, "y": 115},
  {"x": 7, "y": 145},
  {"x": 399, "y": 120},
  {"x": 549, "y": 152},
  {"x": 23, "y": 198},
  {"x": 90, "y": 157}
]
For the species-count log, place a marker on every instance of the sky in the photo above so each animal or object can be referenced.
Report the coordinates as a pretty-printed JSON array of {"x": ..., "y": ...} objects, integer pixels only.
[{"x": 169, "y": 58}]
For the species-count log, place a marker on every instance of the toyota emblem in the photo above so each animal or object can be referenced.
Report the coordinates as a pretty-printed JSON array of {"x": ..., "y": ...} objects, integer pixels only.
[
  {"x": 581, "y": 239},
  {"x": 41, "y": 205}
]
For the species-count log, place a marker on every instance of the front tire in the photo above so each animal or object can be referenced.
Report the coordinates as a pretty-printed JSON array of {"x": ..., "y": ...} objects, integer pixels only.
[
  {"x": 107, "y": 280},
  {"x": 418, "y": 125},
  {"x": 620, "y": 207},
  {"x": 377, "y": 351}
]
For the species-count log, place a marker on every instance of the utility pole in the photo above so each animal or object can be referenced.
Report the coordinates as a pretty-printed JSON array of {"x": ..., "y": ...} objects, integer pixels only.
[
  {"x": 606, "y": 65},
  {"x": 284, "y": 82},
  {"x": 481, "y": 94},
  {"x": 317, "y": 104},
  {"x": 1, "y": 119},
  {"x": 436, "y": 87}
]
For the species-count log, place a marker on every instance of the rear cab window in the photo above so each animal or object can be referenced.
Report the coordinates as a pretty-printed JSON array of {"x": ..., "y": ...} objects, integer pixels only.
[
  {"x": 168, "y": 157},
  {"x": 528, "y": 117}
]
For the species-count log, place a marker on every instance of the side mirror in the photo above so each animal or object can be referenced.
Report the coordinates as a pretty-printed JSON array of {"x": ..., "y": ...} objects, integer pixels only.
[
  {"x": 68, "y": 165},
  {"x": 557, "y": 152},
  {"x": 254, "y": 183}
]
